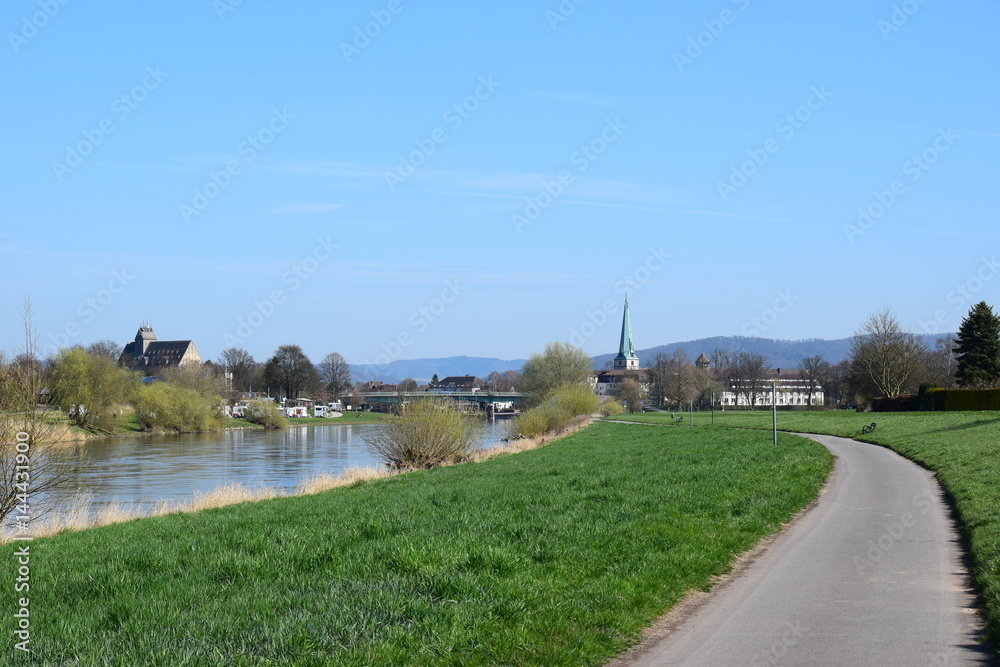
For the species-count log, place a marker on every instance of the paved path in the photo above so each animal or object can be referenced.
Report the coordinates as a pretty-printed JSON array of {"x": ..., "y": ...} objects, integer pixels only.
[{"x": 870, "y": 576}]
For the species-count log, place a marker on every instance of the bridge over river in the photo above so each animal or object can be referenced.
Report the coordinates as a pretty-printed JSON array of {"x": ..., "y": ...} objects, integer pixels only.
[{"x": 495, "y": 401}]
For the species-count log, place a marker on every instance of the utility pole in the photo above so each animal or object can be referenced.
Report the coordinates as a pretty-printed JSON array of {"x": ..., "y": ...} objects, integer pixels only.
[{"x": 774, "y": 410}]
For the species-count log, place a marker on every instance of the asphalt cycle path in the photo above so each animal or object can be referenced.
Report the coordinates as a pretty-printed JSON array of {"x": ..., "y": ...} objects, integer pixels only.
[{"x": 871, "y": 575}]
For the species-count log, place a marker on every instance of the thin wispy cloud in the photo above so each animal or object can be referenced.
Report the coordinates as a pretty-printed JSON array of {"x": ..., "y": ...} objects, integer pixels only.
[
  {"x": 295, "y": 209},
  {"x": 569, "y": 97}
]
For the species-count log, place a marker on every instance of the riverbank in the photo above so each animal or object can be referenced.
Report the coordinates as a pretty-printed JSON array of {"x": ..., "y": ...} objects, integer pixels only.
[
  {"x": 561, "y": 554},
  {"x": 128, "y": 426}
]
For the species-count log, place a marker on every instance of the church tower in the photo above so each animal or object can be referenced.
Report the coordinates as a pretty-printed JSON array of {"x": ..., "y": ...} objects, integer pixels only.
[{"x": 626, "y": 359}]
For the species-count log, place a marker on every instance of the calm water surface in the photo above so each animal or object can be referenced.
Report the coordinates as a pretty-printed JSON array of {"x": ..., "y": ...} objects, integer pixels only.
[{"x": 149, "y": 469}]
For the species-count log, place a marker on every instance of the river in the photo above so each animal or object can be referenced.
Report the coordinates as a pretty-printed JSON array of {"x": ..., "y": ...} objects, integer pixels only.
[{"x": 143, "y": 471}]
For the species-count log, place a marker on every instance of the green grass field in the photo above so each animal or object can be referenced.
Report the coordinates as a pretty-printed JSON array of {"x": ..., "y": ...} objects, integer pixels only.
[
  {"x": 555, "y": 556},
  {"x": 963, "y": 448}
]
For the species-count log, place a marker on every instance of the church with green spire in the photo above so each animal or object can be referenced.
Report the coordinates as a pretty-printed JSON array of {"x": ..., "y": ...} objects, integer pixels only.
[
  {"x": 626, "y": 359},
  {"x": 625, "y": 364}
]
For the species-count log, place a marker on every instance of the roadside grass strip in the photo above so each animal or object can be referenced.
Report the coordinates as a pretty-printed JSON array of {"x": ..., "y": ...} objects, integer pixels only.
[{"x": 962, "y": 448}]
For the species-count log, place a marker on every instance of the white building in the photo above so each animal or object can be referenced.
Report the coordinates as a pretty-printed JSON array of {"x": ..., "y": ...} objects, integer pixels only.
[{"x": 792, "y": 389}]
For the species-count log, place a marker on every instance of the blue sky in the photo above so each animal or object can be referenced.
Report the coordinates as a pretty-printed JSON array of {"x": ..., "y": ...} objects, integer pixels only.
[{"x": 482, "y": 178}]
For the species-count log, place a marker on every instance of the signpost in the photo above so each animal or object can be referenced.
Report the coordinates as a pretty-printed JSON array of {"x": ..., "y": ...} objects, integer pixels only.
[{"x": 774, "y": 410}]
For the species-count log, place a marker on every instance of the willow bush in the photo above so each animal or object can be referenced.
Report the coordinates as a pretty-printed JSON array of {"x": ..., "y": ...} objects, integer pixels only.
[{"x": 424, "y": 434}]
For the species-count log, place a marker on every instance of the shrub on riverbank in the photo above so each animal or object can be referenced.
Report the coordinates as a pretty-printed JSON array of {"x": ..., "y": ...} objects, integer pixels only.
[
  {"x": 556, "y": 412},
  {"x": 265, "y": 413},
  {"x": 161, "y": 405},
  {"x": 426, "y": 434}
]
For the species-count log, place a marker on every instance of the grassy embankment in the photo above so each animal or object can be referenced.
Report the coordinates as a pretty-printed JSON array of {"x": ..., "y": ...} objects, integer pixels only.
[
  {"x": 962, "y": 448},
  {"x": 558, "y": 555}
]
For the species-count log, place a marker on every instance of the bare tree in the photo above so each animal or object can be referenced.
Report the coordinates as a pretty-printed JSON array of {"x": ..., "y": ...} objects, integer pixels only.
[
  {"x": 241, "y": 364},
  {"x": 885, "y": 354},
  {"x": 408, "y": 384},
  {"x": 749, "y": 377},
  {"x": 34, "y": 463},
  {"x": 833, "y": 386},
  {"x": 105, "y": 348},
  {"x": 511, "y": 381},
  {"x": 942, "y": 363},
  {"x": 335, "y": 373},
  {"x": 814, "y": 370}
]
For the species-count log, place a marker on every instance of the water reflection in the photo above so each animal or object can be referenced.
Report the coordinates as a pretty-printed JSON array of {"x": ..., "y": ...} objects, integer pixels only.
[{"x": 150, "y": 469}]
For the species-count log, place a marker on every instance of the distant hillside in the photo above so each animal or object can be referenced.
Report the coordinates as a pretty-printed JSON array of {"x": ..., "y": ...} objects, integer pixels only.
[
  {"x": 779, "y": 353},
  {"x": 422, "y": 370}
]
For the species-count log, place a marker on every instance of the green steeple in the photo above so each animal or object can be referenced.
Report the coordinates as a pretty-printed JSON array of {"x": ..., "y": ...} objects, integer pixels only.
[{"x": 626, "y": 349}]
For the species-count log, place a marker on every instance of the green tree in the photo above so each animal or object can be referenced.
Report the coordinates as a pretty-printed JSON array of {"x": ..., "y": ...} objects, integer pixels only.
[
  {"x": 434, "y": 380},
  {"x": 88, "y": 387},
  {"x": 978, "y": 349},
  {"x": 561, "y": 364},
  {"x": 291, "y": 372},
  {"x": 630, "y": 392}
]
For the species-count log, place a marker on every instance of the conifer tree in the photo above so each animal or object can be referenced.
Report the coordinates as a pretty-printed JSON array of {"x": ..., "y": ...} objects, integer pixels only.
[{"x": 979, "y": 349}]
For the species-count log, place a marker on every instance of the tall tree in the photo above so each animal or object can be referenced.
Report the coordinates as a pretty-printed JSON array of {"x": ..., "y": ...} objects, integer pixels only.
[
  {"x": 408, "y": 384},
  {"x": 833, "y": 387},
  {"x": 291, "y": 372},
  {"x": 885, "y": 354},
  {"x": 241, "y": 364},
  {"x": 978, "y": 349},
  {"x": 561, "y": 364},
  {"x": 335, "y": 373},
  {"x": 749, "y": 377},
  {"x": 814, "y": 371}
]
